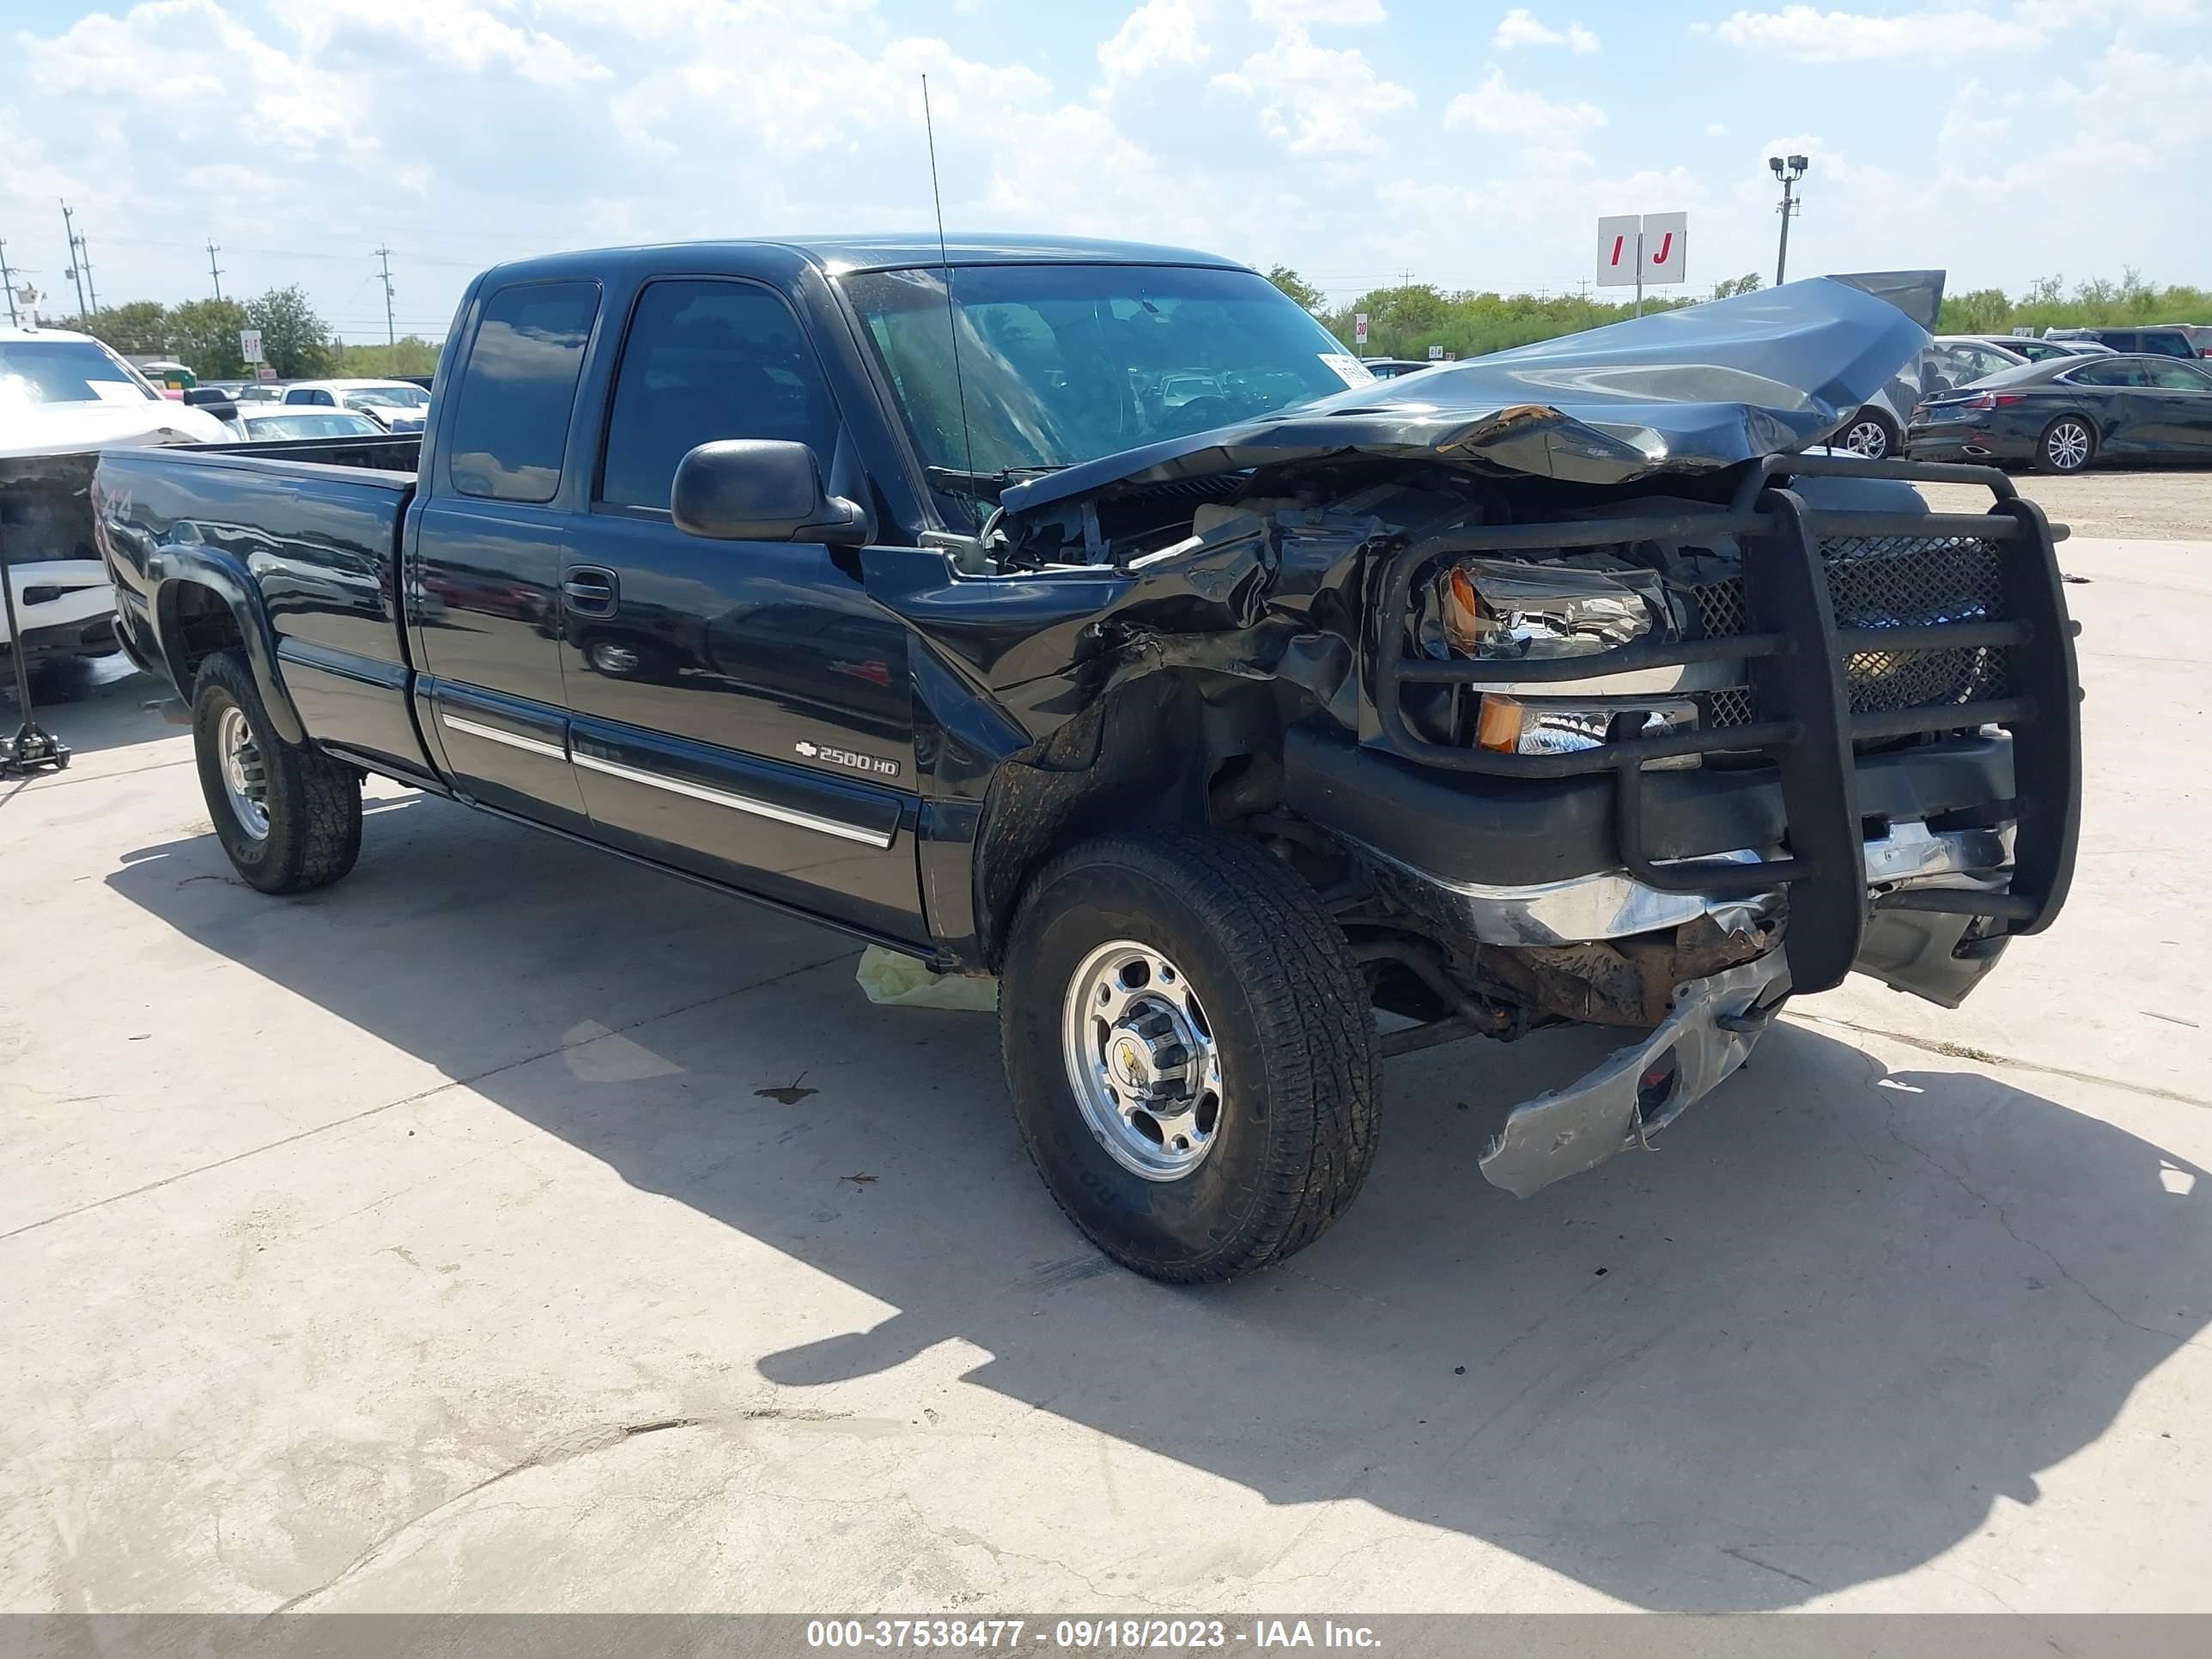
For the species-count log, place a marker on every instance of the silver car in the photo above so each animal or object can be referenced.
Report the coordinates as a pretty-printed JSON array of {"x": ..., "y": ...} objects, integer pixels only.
[{"x": 1951, "y": 361}]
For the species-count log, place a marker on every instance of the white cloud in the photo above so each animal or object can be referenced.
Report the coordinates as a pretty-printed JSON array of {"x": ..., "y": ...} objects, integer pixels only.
[
  {"x": 1282, "y": 14},
  {"x": 1715, "y": 129},
  {"x": 1317, "y": 101},
  {"x": 450, "y": 37},
  {"x": 1522, "y": 27},
  {"x": 1514, "y": 111},
  {"x": 1805, "y": 34},
  {"x": 1158, "y": 35}
]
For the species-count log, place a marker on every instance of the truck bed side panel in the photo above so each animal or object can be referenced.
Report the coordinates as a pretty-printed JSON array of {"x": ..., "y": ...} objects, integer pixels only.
[{"x": 316, "y": 540}]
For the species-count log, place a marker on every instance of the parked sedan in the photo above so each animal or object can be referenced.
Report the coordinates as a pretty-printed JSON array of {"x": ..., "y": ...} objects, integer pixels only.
[
  {"x": 2061, "y": 416},
  {"x": 2037, "y": 351},
  {"x": 271, "y": 423}
]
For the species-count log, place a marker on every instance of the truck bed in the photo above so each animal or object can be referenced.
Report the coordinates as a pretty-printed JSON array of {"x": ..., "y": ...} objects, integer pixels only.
[{"x": 314, "y": 525}]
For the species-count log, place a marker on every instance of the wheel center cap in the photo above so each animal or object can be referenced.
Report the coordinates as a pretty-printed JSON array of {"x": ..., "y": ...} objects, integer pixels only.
[{"x": 1130, "y": 1059}]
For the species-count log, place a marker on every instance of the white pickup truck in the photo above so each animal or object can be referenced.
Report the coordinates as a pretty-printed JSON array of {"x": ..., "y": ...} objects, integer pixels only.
[{"x": 63, "y": 398}]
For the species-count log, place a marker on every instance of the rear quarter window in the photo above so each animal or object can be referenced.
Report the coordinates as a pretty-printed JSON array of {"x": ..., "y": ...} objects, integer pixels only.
[{"x": 510, "y": 423}]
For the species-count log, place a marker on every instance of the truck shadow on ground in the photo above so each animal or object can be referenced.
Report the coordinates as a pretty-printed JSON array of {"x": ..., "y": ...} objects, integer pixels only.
[{"x": 1812, "y": 1342}]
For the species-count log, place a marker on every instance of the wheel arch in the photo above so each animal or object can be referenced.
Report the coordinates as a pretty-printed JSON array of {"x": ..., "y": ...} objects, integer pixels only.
[
  {"x": 1180, "y": 749},
  {"x": 206, "y": 601}
]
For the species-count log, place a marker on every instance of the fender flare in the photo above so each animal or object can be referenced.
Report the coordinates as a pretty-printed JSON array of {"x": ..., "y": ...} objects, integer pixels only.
[{"x": 174, "y": 567}]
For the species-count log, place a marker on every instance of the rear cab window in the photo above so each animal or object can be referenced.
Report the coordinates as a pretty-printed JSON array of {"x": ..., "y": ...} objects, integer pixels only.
[{"x": 510, "y": 428}]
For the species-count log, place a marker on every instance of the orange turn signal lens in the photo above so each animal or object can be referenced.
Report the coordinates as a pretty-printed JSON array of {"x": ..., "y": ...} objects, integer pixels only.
[{"x": 1498, "y": 723}]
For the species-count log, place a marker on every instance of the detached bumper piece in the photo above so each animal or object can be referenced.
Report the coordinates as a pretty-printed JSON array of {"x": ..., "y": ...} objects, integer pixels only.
[
  {"x": 1817, "y": 690},
  {"x": 1642, "y": 1088}
]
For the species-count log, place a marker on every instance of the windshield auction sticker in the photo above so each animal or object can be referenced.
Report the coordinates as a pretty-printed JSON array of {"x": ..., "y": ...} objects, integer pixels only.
[{"x": 1349, "y": 369}]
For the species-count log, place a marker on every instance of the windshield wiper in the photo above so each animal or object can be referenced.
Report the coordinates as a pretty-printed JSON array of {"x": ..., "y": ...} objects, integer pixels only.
[{"x": 984, "y": 486}]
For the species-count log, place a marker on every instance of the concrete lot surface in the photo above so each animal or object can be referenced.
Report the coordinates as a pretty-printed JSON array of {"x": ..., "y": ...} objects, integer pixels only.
[
  {"x": 508, "y": 1228},
  {"x": 2166, "y": 502}
]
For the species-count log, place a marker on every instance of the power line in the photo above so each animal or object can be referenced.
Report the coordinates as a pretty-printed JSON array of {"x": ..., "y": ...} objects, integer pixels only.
[
  {"x": 212, "y": 271},
  {"x": 8, "y": 282}
]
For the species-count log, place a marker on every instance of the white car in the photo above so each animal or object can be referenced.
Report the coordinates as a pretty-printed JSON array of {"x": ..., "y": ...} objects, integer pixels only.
[
  {"x": 63, "y": 398},
  {"x": 395, "y": 406},
  {"x": 263, "y": 424}
]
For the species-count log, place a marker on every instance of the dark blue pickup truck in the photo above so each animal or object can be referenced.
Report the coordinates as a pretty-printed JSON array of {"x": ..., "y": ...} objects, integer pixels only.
[{"x": 1084, "y": 615}]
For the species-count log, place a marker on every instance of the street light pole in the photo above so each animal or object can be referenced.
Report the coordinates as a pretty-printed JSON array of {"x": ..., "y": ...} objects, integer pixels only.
[{"x": 1788, "y": 170}]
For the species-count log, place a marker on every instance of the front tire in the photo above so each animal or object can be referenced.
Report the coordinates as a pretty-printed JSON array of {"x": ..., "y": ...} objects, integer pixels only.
[
  {"x": 288, "y": 817},
  {"x": 1872, "y": 436},
  {"x": 2068, "y": 445},
  {"x": 1190, "y": 1051}
]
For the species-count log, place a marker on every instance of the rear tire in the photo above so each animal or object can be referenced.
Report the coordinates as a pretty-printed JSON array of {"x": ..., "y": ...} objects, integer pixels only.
[
  {"x": 289, "y": 817},
  {"x": 2069, "y": 444},
  {"x": 1871, "y": 434},
  {"x": 1202, "y": 967}
]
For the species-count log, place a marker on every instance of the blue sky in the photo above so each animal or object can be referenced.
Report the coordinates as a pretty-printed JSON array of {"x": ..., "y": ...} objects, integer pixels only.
[{"x": 1472, "y": 144}]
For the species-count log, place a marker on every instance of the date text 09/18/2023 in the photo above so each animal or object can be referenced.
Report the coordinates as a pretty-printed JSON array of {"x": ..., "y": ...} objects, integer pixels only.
[{"x": 1089, "y": 1634}]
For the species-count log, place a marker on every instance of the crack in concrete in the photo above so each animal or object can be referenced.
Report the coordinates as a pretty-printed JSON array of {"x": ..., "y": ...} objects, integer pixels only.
[
  {"x": 423, "y": 1094},
  {"x": 1962, "y": 1051},
  {"x": 2013, "y": 1233},
  {"x": 1742, "y": 1553},
  {"x": 567, "y": 1448}
]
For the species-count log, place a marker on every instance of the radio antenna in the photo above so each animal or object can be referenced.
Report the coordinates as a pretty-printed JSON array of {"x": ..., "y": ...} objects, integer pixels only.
[{"x": 945, "y": 261}]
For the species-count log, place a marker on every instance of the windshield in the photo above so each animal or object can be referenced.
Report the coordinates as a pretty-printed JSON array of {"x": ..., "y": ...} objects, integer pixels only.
[
  {"x": 1065, "y": 363},
  {"x": 388, "y": 396},
  {"x": 66, "y": 371}
]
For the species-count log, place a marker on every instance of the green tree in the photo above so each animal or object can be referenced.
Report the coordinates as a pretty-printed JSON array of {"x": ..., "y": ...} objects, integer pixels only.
[
  {"x": 203, "y": 333},
  {"x": 1977, "y": 311},
  {"x": 1746, "y": 283},
  {"x": 1297, "y": 287},
  {"x": 138, "y": 329},
  {"x": 298, "y": 343},
  {"x": 413, "y": 355}
]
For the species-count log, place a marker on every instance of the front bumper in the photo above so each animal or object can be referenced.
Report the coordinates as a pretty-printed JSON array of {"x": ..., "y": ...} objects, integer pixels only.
[{"x": 1643, "y": 1087}]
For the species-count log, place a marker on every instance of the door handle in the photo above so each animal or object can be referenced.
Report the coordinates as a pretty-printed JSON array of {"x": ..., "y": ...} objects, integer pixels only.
[{"x": 590, "y": 590}]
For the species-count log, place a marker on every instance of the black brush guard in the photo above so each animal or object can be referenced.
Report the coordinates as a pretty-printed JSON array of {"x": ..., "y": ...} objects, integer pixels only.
[{"x": 1795, "y": 657}]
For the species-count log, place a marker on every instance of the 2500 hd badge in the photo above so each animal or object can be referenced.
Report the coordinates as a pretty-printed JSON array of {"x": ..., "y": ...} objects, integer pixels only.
[{"x": 882, "y": 768}]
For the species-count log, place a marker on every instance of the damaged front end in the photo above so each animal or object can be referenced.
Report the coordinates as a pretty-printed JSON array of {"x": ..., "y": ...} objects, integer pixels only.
[{"x": 1579, "y": 690}]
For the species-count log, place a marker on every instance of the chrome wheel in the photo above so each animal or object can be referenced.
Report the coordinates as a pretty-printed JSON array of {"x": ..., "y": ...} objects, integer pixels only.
[
  {"x": 244, "y": 777},
  {"x": 2068, "y": 446},
  {"x": 1142, "y": 1061},
  {"x": 1869, "y": 438}
]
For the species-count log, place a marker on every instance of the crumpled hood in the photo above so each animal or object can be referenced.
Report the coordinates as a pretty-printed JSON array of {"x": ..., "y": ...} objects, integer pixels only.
[
  {"x": 73, "y": 429},
  {"x": 1689, "y": 391}
]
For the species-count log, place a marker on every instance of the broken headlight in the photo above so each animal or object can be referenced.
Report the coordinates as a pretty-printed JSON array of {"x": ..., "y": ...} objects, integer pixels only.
[{"x": 1494, "y": 609}]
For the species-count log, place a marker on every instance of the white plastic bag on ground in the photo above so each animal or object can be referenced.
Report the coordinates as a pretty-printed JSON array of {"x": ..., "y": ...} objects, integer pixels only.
[{"x": 899, "y": 981}]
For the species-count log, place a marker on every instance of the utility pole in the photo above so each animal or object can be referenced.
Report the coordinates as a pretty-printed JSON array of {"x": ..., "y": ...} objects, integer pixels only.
[
  {"x": 8, "y": 282},
  {"x": 1789, "y": 171},
  {"x": 69, "y": 232},
  {"x": 212, "y": 251},
  {"x": 390, "y": 334}
]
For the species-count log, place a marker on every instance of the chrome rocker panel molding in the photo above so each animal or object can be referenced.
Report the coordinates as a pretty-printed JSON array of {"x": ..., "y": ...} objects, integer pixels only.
[
  {"x": 761, "y": 809},
  {"x": 737, "y": 803},
  {"x": 1564, "y": 1132}
]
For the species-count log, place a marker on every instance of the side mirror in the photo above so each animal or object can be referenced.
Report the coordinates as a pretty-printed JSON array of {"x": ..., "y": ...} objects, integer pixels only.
[{"x": 762, "y": 489}]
